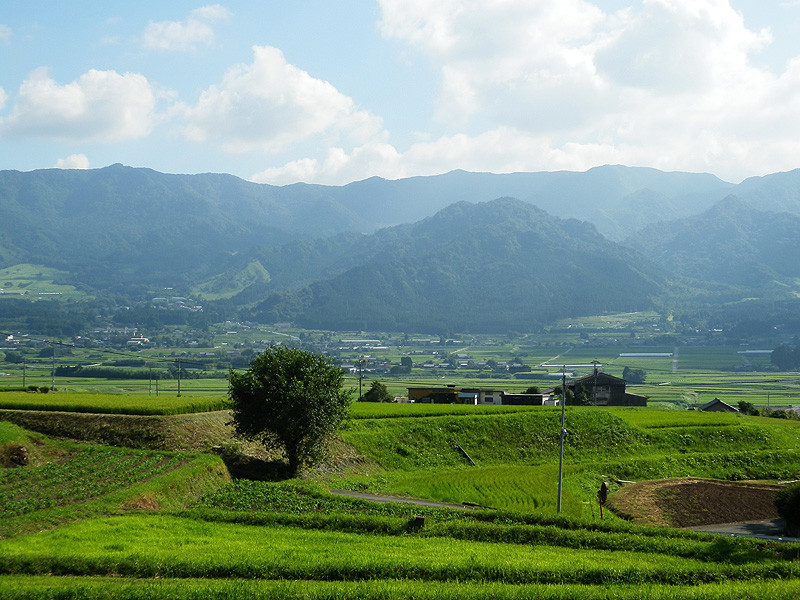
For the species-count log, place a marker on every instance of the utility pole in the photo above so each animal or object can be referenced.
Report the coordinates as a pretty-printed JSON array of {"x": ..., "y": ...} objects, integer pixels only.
[
  {"x": 24, "y": 367},
  {"x": 561, "y": 439},
  {"x": 53, "y": 369},
  {"x": 594, "y": 383},
  {"x": 360, "y": 376},
  {"x": 179, "y": 377}
]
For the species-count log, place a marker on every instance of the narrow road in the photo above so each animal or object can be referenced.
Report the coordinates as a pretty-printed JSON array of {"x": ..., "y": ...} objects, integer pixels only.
[
  {"x": 405, "y": 500},
  {"x": 770, "y": 529}
]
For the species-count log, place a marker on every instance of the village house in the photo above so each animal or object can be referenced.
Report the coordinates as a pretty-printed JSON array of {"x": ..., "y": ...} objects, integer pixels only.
[
  {"x": 607, "y": 390},
  {"x": 476, "y": 396}
]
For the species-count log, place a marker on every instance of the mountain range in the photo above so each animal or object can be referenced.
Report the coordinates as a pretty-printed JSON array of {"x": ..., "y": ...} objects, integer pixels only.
[{"x": 455, "y": 252}]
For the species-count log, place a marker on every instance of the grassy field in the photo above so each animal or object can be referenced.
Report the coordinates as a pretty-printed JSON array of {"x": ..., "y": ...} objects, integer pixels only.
[
  {"x": 110, "y": 403},
  {"x": 36, "y": 281},
  {"x": 90, "y": 521}
]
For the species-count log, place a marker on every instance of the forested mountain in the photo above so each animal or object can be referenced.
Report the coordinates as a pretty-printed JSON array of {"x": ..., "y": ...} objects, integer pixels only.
[
  {"x": 124, "y": 224},
  {"x": 731, "y": 243},
  {"x": 491, "y": 266},
  {"x": 427, "y": 253}
]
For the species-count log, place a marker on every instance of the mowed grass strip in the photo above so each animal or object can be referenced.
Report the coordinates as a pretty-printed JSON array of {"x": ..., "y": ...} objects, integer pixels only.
[
  {"x": 164, "y": 546},
  {"x": 111, "y": 403},
  {"x": 120, "y": 588}
]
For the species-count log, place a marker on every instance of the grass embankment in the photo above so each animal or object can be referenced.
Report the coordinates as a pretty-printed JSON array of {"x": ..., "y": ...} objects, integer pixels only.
[
  {"x": 115, "y": 404},
  {"x": 66, "y": 481},
  {"x": 517, "y": 454},
  {"x": 257, "y": 539}
]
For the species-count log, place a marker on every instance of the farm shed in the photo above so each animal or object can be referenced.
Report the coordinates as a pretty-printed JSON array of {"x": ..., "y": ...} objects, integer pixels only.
[{"x": 717, "y": 405}]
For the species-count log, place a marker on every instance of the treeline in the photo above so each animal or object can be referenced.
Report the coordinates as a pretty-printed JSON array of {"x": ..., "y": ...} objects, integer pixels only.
[
  {"x": 786, "y": 357},
  {"x": 102, "y": 372},
  {"x": 45, "y": 317}
]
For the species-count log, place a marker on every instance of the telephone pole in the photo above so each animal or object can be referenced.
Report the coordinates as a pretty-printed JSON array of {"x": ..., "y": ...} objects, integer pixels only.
[{"x": 561, "y": 439}]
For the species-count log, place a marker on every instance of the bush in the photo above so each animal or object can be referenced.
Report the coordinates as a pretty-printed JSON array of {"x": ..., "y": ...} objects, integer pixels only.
[
  {"x": 787, "y": 501},
  {"x": 13, "y": 455}
]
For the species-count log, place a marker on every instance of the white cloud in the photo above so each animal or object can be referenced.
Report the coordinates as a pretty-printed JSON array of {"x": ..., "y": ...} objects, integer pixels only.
[
  {"x": 510, "y": 60},
  {"x": 270, "y": 104},
  {"x": 666, "y": 83},
  {"x": 3, "y": 99},
  {"x": 73, "y": 161},
  {"x": 5, "y": 32},
  {"x": 502, "y": 150},
  {"x": 338, "y": 167},
  {"x": 100, "y": 105},
  {"x": 184, "y": 35}
]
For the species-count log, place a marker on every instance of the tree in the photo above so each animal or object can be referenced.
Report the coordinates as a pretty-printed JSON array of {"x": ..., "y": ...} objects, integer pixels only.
[
  {"x": 292, "y": 397},
  {"x": 377, "y": 392},
  {"x": 634, "y": 375},
  {"x": 13, "y": 357},
  {"x": 748, "y": 408}
]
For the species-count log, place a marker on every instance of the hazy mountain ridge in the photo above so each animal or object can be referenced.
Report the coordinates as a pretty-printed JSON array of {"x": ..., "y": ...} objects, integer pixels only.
[
  {"x": 316, "y": 253},
  {"x": 476, "y": 267},
  {"x": 731, "y": 242}
]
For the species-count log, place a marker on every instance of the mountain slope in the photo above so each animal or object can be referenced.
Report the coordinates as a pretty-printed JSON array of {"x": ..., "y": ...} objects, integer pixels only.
[
  {"x": 731, "y": 243},
  {"x": 496, "y": 266},
  {"x": 120, "y": 223}
]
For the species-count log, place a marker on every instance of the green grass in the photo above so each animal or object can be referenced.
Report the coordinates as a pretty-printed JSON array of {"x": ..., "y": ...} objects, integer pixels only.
[
  {"x": 66, "y": 481},
  {"x": 36, "y": 281},
  {"x": 121, "y": 588},
  {"x": 110, "y": 403},
  {"x": 209, "y": 538},
  {"x": 377, "y": 410},
  {"x": 164, "y": 546}
]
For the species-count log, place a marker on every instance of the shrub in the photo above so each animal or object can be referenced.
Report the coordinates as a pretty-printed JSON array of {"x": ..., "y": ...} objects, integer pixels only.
[
  {"x": 787, "y": 501},
  {"x": 13, "y": 455}
]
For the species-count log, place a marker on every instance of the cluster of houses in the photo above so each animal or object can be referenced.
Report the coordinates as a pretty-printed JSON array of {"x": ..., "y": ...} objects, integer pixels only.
[{"x": 604, "y": 389}]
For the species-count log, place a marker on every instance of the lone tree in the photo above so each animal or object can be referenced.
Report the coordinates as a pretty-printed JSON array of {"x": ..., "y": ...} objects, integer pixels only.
[
  {"x": 377, "y": 393},
  {"x": 292, "y": 397}
]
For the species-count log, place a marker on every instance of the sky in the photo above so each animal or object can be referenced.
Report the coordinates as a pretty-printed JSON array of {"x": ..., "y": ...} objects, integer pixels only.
[{"x": 279, "y": 91}]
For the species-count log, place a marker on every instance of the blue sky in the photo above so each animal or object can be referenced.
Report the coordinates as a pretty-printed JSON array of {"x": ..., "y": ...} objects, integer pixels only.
[{"x": 332, "y": 92}]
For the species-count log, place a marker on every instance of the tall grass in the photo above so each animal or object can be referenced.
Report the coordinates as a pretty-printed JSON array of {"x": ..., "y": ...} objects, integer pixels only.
[
  {"x": 121, "y": 588},
  {"x": 110, "y": 403}
]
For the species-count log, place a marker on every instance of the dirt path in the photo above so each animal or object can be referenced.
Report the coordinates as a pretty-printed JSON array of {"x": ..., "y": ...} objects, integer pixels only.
[
  {"x": 731, "y": 508},
  {"x": 403, "y": 499}
]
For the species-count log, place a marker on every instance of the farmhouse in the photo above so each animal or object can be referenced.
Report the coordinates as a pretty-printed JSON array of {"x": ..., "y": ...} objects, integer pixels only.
[
  {"x": 607, "y": 390},
  {"x": 717, "y": 405},
  {"x": 476, "y": 396}
]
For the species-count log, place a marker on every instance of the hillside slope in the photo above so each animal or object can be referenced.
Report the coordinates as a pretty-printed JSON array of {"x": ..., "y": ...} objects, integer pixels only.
[{"x": 494, "y": 266}]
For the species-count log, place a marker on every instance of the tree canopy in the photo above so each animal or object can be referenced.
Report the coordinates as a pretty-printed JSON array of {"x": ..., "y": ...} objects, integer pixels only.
[
  {"x": 377, "y": 393},
  {"x": 291, "y": 397}
]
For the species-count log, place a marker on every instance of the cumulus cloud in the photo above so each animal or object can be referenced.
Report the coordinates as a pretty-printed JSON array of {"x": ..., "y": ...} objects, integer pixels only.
[
  {"x": 185, "y": 35},
  {"x": 270, "y": 104},
  {"x": 100, "y": 105},
  {"x": 5, "y": 32},
  {"x": 3, "y": 99},
  {"x": 670, "y": 83},
  {"x": 73, "y": 161},
  {"x": 501, "y": 150}
]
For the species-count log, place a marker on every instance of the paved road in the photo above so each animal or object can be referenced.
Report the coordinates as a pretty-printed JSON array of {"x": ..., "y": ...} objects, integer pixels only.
[{"x": 771, "y": 529}]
